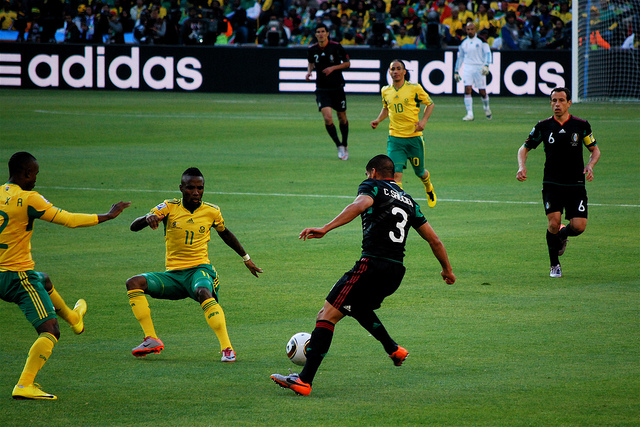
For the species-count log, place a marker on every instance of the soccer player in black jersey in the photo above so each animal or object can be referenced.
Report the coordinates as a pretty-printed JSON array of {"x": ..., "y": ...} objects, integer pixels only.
[
  {"x": 563, "y": 185},
  {"x": 329, "y": 59},
  {"x": 387, "y": 215}
]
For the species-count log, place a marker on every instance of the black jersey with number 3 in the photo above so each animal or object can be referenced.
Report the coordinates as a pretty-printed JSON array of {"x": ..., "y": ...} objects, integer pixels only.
[
  {"x": 386, "y": 223},
  {"x": 563, "y": 148},
  {"x": 323, "y": 57}
]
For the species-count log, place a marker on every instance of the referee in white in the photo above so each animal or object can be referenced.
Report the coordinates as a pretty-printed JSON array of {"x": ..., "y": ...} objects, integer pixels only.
[{"x": 474, "y": 56}]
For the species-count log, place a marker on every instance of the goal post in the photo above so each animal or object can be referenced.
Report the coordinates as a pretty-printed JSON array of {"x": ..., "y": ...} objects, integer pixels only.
[{"x": 605, "y": 51}]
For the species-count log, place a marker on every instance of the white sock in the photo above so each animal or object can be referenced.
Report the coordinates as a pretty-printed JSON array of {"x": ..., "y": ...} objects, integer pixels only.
[
  {"x": 485, "y": 103},
  {"x": 468, "y": 103}
]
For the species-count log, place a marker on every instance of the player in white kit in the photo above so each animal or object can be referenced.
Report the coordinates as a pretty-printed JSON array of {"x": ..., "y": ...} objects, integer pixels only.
[{"x": 474, "y": 57}]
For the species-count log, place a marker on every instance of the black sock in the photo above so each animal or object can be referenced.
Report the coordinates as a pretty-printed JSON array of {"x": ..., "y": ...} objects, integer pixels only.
[
  {"x": 333, "y": 133},
  {"x": 344, "y": 130},
  {"x": 553, "y": 243},
  {"x": 317, "y": 348},
  {"x": 374, "y": 326},
  {"x": 568, "y": 231}
]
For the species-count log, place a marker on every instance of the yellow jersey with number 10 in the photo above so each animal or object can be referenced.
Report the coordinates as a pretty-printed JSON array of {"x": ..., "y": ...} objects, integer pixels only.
[
  {"x": 404, "y": 108},
  {"x": 187, "y": 233}
]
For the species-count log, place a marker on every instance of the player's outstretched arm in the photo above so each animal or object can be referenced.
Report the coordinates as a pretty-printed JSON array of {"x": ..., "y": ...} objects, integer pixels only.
[
  {"x": 232, "y": 241},
  {"x": 116, "y": 209},
  {"x": 437, "y": 247},
  {"x": 348, "y": 214}
]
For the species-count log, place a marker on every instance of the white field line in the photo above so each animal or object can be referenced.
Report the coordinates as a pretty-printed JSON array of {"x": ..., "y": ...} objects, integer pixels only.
[{"x": 318, "y": 196}]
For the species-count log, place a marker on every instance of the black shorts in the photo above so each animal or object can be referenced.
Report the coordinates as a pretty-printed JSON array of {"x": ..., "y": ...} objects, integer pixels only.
[
  {"x": 334, "y": 98},
  {"x": 366, "y": 285},
  {"x": 559, "y": 198}
]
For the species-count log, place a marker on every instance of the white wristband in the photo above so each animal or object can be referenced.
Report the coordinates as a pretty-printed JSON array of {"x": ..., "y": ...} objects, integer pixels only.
[{"x": 246, "y": 258}]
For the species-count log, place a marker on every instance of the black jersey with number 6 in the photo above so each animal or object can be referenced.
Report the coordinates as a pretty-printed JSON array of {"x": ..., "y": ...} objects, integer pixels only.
[
  {"x": 386, "y": 223},
  {"x": 323, "y": 57},
  {"x": 563, "y": 143}
]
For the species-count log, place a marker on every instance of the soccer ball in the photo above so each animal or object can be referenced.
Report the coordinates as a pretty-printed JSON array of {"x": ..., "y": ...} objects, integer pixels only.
[{"x": 297, "y": 348}]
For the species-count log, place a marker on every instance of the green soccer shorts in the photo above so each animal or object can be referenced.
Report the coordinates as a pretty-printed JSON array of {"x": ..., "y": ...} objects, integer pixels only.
[
  {"x": 401, "y": 149},
  {"x": 181, "y": 284},
  {"x": 26, "y": 288}
]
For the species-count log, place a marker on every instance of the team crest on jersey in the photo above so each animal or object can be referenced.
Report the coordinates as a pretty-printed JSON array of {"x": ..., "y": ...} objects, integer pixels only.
[
  {"x": 574, "y": 140},
  {"x": 161, "y": 206}
]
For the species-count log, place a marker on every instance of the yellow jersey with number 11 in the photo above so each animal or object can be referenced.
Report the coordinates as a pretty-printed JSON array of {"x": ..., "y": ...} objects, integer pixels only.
[{"x": 187, "y": 233}]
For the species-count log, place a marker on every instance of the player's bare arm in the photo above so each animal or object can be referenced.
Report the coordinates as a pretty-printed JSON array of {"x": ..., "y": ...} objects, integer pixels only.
[
  {"x": 425, "y": 117},
  {"x": 310, "y": 68},
  {"x": 348, "y": 214},
  {"x": 116, "y": 209},
  {"x": 593, "y": 159},
  {"x": 523, "y": 153},
  {"x": 151, "y": 220},
  {"x": 232, "y": 241},
  {"x": 384, "y": 113},
  {"x": 437, "y": 247}
]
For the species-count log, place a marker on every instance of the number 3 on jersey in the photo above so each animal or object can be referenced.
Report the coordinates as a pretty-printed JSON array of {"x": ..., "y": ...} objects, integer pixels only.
[{"x": 396, "y": 211}]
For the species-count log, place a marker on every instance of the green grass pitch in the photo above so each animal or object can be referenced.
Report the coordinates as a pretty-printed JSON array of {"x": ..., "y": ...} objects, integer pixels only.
[{"x": 505, "y": 345}]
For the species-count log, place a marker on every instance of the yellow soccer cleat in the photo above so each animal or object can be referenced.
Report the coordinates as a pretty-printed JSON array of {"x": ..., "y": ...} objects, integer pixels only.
[
  {"x": 81, "y": 309},
  {"x": 431, "y": 198},
  {"x": 32, "y": 391}
]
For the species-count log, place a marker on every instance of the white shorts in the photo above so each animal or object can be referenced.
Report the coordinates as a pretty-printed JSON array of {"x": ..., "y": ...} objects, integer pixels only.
[{"x": 471, "y": 76}]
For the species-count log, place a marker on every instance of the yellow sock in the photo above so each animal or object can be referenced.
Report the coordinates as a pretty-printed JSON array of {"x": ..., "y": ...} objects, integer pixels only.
[
  {"x": 62, "y": 310},
  {"x": 141, "y": 310},
  {"x": 215, "y": 318},
  {"x": 427, "y": 182},
  {"x": 38, "y": 355}
]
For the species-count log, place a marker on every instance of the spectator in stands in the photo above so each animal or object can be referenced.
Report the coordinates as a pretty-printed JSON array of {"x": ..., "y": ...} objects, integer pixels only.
[
  {"x": 7, "y": 16},
  {"x": 125, "y": 19},
  {"x": 481, "y": 19},
  {"x": 464, "y": 14},
  {"x": 510, "y": 33},
  {"x": 559, "y": 39},
  {"x": 564, "y": 13},
  {"x": 35, "y": 30},
  {"x": 136, "y": 11},
  {"x": 456, "y": 31},
  {"x": 544, "y": 36},
  {"x": 434, "y": 33},
  {"x": 71, "y": 31},
  {"x": 544, "y": 15},
  {"x": 403, "y": 40}
]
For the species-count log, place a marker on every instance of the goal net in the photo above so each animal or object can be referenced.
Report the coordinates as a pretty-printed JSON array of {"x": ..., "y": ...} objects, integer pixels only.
[{"x": 606, "y": 50}]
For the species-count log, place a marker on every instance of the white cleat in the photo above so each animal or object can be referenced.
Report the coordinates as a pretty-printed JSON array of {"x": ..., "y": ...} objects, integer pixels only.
[
  {"x": 487, "y": 112},
  {"x": 468, "y": 118},
  {"x": 556, "y": 271}
]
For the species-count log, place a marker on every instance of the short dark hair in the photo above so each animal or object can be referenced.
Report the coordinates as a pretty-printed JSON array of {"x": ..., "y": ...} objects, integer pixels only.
[
  {"x": 561, "y": 89},
  {"x": 192, "y": 172},
  {"x": 383, "y": 164},
  {"x": 406, "y": 76},
  {"x": 322, "y": 25},
  {"x": 19, "y": 161}
]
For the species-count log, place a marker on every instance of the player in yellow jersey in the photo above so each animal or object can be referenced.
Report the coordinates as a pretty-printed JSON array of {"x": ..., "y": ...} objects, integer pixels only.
[
  {"x": 401, "y": 102},
  {"x": 33, "y": 291},
  {"x": 189, "y": 273}
]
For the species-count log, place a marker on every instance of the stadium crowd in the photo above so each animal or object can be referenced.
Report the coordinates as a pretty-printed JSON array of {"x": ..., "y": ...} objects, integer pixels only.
[{"x": 407, "y": 24}]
